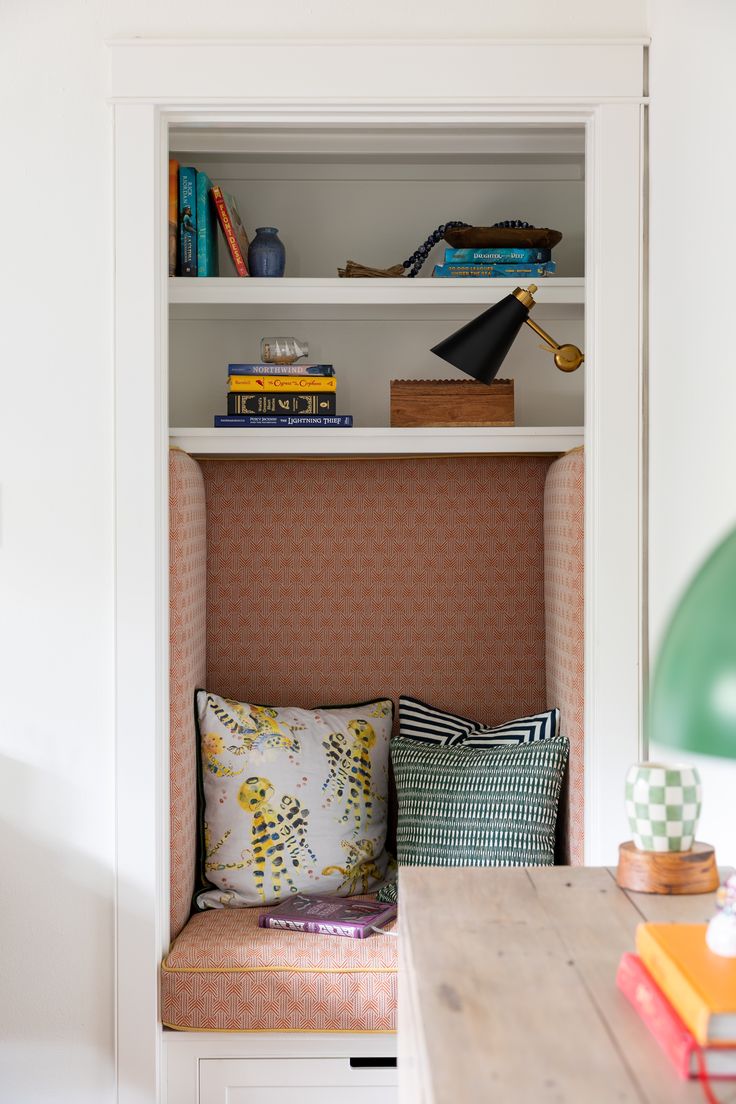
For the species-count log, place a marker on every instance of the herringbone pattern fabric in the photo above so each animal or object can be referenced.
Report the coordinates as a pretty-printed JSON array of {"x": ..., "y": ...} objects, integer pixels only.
[
  {"x": 187, "y": 627},
  {"x": 563, "y": 599},
  {"x": 340, "y": 580},
  {"x": 224, "y": 973}
]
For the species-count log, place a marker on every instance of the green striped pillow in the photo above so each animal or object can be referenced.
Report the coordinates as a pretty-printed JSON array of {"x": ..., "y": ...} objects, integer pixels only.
[{"x": 466, "y": 806}]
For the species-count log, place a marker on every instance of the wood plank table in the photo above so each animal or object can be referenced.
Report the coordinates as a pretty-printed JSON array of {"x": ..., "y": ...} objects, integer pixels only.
[{"x": 507, "y": 989}]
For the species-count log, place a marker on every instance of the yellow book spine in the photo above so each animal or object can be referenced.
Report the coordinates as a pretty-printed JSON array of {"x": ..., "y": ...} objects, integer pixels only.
[
  {"x": 292, "y": 384},
  {"x": 674, "y": 983}
]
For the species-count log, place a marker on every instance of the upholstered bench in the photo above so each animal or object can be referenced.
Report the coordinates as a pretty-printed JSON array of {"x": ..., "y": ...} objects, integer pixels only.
[{"x": 223, "y": 972}]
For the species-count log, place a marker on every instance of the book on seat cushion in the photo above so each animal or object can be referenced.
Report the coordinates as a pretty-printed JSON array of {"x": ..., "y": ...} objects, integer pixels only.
[{"x": 328, "y": 916}]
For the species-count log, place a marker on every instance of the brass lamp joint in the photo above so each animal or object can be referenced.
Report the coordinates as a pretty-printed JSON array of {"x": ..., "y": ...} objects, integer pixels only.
[{"x": 525, "y": 295}]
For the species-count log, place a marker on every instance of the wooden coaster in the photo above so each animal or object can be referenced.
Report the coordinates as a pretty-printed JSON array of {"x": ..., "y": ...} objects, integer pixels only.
[{"x": 692, "y": 871}]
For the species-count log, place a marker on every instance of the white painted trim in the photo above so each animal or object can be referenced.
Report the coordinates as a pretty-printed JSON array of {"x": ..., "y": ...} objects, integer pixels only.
[
  {"x": 365, "y": 292},
  {"x": 613, "y": 479},
  {"x": 208, "y": 72},
  {"x": 408, "y": 40},
  {"x": 519, "y": 440},
  {"x": 612, "y": 403},
  {"x": 141, "y": 594}
]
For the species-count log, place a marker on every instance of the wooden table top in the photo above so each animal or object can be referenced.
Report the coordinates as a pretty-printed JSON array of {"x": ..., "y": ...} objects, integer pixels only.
[{"x": 513, "y": 982}]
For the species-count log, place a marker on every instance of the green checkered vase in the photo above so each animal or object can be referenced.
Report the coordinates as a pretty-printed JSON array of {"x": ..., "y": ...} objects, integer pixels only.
[{"x": 663, "y": 806}]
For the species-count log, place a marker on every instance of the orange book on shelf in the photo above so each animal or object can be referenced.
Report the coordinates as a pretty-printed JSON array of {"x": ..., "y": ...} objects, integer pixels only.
[
  {"x": 700, "y": 985},
  {"x": 254, "y": 384},
  {"x": 173, "y": 213}
]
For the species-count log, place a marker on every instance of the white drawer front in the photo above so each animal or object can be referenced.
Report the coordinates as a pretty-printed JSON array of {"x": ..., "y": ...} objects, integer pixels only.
[{"x": 294, "y": 1081}]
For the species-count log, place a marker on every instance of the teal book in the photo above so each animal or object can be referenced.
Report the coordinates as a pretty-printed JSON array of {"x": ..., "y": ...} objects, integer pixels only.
[
  {"x": 207, "y": 259},
  {"x": 497, "y": 255},
  {"x": 187, "y": 221},
  {"x": 504, "y": 271}
]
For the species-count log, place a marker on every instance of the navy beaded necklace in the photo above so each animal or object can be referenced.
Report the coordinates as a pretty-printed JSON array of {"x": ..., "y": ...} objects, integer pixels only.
[{"x": 419, "y": 256}]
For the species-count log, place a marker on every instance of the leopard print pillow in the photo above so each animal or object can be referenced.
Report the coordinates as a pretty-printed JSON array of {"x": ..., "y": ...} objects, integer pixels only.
[{"x": 294, "y": 800}]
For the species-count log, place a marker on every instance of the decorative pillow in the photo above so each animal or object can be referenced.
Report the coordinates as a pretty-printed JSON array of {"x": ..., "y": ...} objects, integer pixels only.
[
  {"x": 419, "y": 721},
  {"x": 294, "y": 800},
  {"x": 467, "y": 806}
]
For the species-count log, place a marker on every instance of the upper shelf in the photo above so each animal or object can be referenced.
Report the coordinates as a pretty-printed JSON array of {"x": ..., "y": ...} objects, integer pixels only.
[
  {"x": 430, "y": 441},
  {"x": 367, "y": 292}
]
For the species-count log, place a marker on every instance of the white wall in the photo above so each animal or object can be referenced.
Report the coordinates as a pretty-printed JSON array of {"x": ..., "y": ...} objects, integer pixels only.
[
  {"x": 56, "y": 536},
  {"x": 693, "y": 353}
]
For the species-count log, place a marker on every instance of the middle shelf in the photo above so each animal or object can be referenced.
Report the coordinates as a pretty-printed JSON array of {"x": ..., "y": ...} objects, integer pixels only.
[
  {"x": 402, "y": 291},
  {"x": 380, "y": 441}
]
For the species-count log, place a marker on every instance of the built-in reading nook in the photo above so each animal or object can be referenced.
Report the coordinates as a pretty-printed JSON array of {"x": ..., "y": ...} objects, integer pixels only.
[
  {"x": 344, "y": 558},
  {"x": 457, "y": 581}
]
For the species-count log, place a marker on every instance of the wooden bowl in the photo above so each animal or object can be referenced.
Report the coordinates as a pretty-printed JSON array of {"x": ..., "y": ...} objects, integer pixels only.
[{"x": 483, "y": 237}]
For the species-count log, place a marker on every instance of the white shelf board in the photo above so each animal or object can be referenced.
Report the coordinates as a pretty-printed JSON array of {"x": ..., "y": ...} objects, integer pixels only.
[
  {"x": 429, "y": 441},
  {"x": 250, "y": 291},
  {"x": 233, "y": 141}
]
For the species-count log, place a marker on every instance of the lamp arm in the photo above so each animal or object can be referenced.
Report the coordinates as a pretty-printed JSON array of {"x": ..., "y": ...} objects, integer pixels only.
[
  {"x": 567, "y": 357},
  {"x": 541, "y": 333}
]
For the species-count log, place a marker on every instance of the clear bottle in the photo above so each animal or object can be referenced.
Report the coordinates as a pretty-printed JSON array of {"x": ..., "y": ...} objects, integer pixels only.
[{"x": 283, "y": 350}]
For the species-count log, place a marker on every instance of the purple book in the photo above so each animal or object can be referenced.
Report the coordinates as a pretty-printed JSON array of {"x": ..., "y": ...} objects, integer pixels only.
[{"x": 328, "y": 916}]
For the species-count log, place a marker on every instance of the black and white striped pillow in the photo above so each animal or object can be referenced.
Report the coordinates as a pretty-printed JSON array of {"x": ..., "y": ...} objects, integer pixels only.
[{"x": 422, "y": 722}]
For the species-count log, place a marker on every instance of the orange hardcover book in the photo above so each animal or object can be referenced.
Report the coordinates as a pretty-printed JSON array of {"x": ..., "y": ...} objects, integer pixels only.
[
  {"x": 233, "y": 229},
  {"x": 253, "y": 384},
  {"x": 700, "y": 985},
  {"x": 173, "y": 213}
]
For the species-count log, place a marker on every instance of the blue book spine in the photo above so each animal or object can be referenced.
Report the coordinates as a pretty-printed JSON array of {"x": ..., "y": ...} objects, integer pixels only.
[
  {"x": 499, "y": 255},
  {"x": 207, "y": 259},
  {"x": 280, "y": 370},
  {"x": 518, "y": 272},
  {"x": 188, "y": 221},
  {"x": 283, "y": 421}
]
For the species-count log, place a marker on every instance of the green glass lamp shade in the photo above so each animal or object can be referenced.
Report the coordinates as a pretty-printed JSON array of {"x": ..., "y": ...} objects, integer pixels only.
[{"x": 693, "y": 698}]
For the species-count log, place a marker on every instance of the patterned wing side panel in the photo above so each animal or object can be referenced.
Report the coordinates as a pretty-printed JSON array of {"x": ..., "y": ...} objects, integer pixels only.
[
  {"x": 563, "y": 599},
  {"x": 187, "y": 642}
]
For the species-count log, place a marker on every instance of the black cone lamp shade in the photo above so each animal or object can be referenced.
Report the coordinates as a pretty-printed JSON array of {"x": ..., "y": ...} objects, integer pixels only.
[{"x": 480, "y": 347}]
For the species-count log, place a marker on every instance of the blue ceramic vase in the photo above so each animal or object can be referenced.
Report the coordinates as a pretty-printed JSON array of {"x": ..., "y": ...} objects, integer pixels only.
[{"x": 266, "y": 253}]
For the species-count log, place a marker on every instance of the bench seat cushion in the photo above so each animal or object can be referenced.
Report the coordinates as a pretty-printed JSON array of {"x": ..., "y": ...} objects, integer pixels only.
[{"x": 224, "y": 973}]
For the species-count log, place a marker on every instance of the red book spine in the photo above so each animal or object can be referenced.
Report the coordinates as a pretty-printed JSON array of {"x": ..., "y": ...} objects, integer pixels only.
[
  {"x": 227, "y": 229},
  {"x": 665, "y": 1025}
]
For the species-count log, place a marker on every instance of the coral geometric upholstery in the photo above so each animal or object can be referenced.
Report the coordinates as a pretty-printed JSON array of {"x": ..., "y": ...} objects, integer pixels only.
[
  {"x": 563, "y": 600},
  {"x": 456, "y": 580},
  {"x": 342, "y": 580},
  {"x": 224, "y": 973},
  {"x": 187, "y": 642}
]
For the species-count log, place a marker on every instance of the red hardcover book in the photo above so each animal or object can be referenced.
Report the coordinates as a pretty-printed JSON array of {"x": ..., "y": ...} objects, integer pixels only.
[
  {"x": 678, "y": 1043},
  {"x": 233, "y": 229}
]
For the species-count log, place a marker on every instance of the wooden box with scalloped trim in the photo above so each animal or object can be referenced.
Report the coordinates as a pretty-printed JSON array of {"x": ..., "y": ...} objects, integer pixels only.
[{"x": 452, "y": 403}]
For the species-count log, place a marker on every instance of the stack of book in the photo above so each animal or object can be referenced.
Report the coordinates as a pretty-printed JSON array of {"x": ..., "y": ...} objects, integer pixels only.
[
  {"x": 498, "y": 261},
  {"x": 686, "y": 996},
  {"x": 196, "y": 208},
  {"x": 276, "y": 396}
]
